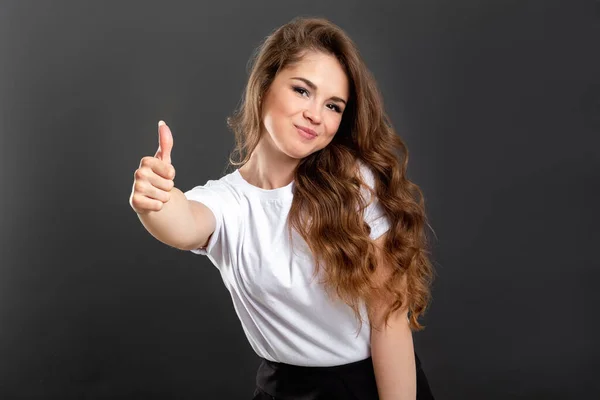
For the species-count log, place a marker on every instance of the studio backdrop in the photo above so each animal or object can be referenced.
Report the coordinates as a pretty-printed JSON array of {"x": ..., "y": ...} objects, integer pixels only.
[{"x": 497, "y": 101}]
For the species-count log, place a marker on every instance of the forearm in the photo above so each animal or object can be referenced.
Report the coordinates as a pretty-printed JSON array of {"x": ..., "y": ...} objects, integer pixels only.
[
  {"x": 173, "y": 224},
  {"x": 393, "y": 356}
]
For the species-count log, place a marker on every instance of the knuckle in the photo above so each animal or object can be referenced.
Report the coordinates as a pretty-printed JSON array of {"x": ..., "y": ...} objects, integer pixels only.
[
  {"x": 138, "y": 187},
  {"x": 136, "y": 203},
  {"x": 138, "y": 174},
  {"x": 146, "y": 161}
]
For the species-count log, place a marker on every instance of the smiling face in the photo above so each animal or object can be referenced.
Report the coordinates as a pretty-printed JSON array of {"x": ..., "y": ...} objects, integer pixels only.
[{"x": 311, "y": 94}]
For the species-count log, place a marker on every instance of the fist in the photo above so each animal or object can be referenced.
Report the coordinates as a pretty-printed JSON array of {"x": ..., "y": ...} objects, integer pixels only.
[{"x": 153, "y": 180}]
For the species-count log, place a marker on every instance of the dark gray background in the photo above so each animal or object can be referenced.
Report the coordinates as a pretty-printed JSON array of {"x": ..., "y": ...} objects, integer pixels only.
[{"x": 498, "y": 102}]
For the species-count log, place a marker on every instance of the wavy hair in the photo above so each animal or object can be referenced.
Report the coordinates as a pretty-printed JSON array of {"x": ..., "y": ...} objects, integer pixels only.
[{"x": 327, "y": 191}]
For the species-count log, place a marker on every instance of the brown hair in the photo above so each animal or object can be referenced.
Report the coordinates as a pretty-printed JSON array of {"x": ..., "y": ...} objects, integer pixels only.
[{"x": 327, "y": 188}]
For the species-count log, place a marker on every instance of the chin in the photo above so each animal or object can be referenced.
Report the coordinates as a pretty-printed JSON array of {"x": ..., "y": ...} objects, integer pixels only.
[
  {"x": 292, "y": 150},
  {"x": 298, "y": 155}
]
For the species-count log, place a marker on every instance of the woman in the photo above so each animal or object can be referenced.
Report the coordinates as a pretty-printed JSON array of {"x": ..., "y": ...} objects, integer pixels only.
[{"x": 318, "y": 235}]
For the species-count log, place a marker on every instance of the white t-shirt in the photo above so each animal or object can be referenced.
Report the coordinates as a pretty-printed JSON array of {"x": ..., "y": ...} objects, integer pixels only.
[{"x": 286, "y": 316}]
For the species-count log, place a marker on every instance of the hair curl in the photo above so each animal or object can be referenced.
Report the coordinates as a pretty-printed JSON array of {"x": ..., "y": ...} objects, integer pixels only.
[{"x": 327, "y": 186}]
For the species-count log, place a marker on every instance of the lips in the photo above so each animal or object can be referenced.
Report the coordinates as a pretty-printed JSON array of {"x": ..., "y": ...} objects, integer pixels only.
[{"x": 307, "y": 130}]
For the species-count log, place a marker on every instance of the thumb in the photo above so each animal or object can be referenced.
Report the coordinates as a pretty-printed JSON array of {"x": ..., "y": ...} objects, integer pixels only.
[{"x": 165, "y": 142}]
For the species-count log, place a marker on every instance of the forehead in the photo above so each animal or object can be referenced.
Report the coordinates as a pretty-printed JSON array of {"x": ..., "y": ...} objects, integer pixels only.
[{"x": 324, "y": 70}]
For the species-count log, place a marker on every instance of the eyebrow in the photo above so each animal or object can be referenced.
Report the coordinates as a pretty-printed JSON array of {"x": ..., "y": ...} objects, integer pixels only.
[{"x": 314, "y": 87}]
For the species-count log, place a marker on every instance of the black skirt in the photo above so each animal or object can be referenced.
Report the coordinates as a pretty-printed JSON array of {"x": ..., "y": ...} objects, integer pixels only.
[{"x": 354, "y": 381}]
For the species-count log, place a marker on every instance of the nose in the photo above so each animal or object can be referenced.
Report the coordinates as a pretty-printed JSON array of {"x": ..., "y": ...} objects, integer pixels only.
[{"x": 313, "y": 113}]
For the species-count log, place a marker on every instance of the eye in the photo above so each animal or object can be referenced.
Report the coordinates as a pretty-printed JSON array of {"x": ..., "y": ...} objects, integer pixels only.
[
  {"x": 303, "y": 91},
  {"x": 300, "y": 90},
  {"x": 336, "y": 108}
]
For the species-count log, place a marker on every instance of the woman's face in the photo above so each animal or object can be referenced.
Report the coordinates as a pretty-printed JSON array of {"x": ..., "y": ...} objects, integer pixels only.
[{"x": 311, "y": 94}]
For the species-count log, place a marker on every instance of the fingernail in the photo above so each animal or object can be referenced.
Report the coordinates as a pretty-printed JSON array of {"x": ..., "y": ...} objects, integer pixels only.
[{"x": 161, "y": 122}]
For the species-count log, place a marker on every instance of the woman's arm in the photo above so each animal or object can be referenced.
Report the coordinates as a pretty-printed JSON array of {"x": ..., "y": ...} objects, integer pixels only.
[
  {"x": 394, "y": 360},
  {"x": 181, "y": 223},
  {"x": 392, "y": 347}
]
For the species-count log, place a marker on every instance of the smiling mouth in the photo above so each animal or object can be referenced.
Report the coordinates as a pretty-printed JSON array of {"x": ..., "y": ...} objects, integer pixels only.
[
  {"x": 305, "y": 134},
  {"x": 308, "y": 132}
]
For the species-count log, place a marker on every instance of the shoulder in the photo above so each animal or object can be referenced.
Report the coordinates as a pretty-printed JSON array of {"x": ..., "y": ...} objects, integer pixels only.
[
  {"x": 222, "y": 191},
  {"x": 366, "y": 172},
  {"x": 227, "y": 182},
  {"x": 367, "y": 177},
  {"x": 374, "y": 213}
]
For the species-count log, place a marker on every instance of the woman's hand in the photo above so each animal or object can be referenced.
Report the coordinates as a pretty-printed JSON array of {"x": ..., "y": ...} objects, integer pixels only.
[{"x": 153, "y": 180}]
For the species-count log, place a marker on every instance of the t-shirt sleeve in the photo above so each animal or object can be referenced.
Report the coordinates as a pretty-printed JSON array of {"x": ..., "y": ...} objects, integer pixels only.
[
  {"x": 209, "y": 195},
  {"x": 374, "y": 214}
]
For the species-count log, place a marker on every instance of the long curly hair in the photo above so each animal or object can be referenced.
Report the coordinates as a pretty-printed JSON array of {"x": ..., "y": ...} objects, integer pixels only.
[{"x": 327, "y": 192}]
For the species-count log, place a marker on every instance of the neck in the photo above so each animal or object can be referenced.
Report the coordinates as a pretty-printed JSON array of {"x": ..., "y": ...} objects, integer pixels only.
[{"x": 268, "y": 169}]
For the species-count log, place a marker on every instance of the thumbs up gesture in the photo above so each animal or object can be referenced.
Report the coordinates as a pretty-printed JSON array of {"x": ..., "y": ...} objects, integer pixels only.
[
  {"x": 153, "y": 180},
  {"x": 165, "y": 143}
]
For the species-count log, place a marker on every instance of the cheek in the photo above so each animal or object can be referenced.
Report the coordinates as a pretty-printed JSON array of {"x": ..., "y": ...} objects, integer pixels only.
[
  {"x": 281, "y": 100},
  {"x": 279, "y": 109},
  {"x": 270, "y": 117},
  {"x": 333, "y": 124}
]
